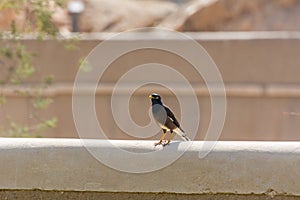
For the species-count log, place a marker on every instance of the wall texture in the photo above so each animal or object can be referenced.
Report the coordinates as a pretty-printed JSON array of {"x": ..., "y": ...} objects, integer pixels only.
[
  {"x": 260, "y": 72},
  {"x": 66, "y": 168}
]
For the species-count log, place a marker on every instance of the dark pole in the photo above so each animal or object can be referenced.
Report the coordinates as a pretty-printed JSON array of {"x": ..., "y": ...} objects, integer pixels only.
[
  {"x": 75, "y": 22},
  {"x": 75, "y": 8}
]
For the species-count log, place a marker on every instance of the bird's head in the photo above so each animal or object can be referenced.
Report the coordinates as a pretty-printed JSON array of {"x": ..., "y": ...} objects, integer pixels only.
[{"x": 155, "y": 98}]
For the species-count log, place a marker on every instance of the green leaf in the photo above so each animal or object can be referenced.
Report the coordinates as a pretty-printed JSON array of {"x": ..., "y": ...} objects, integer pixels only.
[
  {"x": 85, "y": 65},
  {"x": 7, "y": 52},
  {"x": 13, "y": 27},
  {"x": 42, "y": 103},
  {"x": 2, "y": 99},
  {"x": 52, "y": 123},
  {"x": 48, "y": 80}
]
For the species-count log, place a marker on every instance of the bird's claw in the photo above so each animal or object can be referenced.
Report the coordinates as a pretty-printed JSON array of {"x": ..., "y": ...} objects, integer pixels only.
[
  {"x": 166, "y": 143},
  {"x": 158, "y": 143},
  {"x": 163, "y": 143}
]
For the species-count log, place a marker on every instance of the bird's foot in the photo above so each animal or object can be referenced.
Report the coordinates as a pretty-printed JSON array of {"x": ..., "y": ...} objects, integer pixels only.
[
  {"x": 158, "y": 143},
  {"x": 166, "y": 143},
  {"x": 162, "y": 142}
]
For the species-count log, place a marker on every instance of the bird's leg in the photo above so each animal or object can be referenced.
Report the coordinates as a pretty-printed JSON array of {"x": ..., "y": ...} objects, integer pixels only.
[
  {"x": 162, "y": 138},
  {"x": 170, "y": 138}
]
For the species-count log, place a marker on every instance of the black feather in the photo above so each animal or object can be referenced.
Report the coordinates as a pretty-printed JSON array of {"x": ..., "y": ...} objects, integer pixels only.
[{"x": 172, "y": 116}]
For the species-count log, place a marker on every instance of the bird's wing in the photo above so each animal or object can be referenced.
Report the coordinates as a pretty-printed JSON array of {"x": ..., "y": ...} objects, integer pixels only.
[{"x": 172, "y": 116}]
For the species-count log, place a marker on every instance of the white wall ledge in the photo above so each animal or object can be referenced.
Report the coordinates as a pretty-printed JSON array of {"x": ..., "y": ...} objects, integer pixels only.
[{"x": 232, "y": 167}]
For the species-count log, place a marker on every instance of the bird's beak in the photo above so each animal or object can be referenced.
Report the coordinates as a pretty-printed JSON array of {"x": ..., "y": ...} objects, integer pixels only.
[{"x": 150, "y": 96}]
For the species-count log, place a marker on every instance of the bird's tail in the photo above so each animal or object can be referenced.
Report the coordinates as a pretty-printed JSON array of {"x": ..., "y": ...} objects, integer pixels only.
[{"x": 182, "y": 134}]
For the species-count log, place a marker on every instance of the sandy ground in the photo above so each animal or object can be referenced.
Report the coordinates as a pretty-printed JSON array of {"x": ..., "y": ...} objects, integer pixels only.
[{"x": 50, "y": 195}]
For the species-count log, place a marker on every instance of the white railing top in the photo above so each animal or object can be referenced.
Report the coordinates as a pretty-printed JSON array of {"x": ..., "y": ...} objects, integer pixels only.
[{"x": 86, "y": 165}]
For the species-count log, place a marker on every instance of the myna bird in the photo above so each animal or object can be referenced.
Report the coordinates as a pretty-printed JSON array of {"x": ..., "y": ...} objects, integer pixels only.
[{"x": 166, "y": 120}]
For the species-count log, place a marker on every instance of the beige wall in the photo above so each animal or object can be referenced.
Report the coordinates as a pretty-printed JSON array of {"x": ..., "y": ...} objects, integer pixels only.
[{"x": 261, "y": 76}]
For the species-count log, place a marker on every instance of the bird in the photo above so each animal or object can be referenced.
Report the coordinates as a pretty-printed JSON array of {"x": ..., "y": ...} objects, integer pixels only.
[{"x": 166, "y": 120}]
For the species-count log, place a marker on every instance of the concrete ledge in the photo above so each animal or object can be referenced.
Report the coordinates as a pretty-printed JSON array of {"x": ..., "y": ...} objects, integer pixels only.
[
  {"x": 254, "y": 168},
  {"x": 232, "y": 90}
]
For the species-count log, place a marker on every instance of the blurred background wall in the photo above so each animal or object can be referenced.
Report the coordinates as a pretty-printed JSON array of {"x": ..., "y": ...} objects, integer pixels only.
[{"x": 260, "y": 69}]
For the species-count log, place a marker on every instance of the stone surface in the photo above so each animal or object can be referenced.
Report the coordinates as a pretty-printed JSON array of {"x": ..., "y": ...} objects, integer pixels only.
[
  {"x": 116, "y": 15},
  {"x": 197, "y": 15},
  {"x": 25, "y": 21},
  {"x": 62, "y": 195},
  {"x": 7, "y": 16},
  {"x": 269, "y": 168},
  {"x": 236, "y": 15},
  {"x": 98, "y": 15}
]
